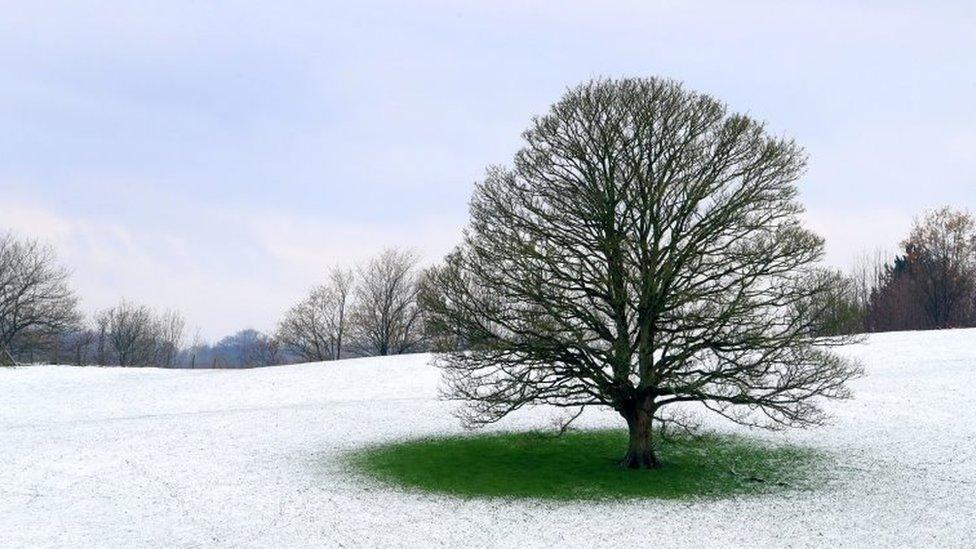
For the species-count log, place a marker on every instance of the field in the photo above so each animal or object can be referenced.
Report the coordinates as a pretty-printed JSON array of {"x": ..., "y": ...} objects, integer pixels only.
[{"x": 114, "y": 457}]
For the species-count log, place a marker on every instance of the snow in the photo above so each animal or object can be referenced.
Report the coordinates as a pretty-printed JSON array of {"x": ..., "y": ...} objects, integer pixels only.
[{"x": 111, "y": 457}]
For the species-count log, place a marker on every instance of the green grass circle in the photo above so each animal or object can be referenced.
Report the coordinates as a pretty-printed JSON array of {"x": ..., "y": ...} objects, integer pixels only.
[{"x": 581, "y": 465}]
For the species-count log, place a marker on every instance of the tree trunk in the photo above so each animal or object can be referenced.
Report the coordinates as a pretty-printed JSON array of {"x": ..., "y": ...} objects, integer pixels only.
[
  {"x": 6, "y": 359},
  {"x": 640, "y": 452}
]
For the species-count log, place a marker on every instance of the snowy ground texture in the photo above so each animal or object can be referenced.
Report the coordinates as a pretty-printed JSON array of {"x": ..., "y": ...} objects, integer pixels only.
[{"x": 114, "y": 457}]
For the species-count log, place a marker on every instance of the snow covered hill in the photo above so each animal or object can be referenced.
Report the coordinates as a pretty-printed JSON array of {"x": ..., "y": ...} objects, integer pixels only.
[{"x": 116, "y": 457}]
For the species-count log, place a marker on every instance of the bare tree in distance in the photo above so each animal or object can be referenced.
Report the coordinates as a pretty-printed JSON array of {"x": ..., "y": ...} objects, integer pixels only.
[
  {"x": 196, "y": 345},
  {"x": 867, "y": 272},
  {"x": 895, "y": 302},
  {"x": 171, "y": 328},
  {"x": 931, "y": 284},
  {"x": 102, "y": 320},
  {"x": 248, "y": 348},
  {"x": 645, "y": 250},
  {"x": 386, "y": 316},
  {"x": 130, "y": 332},
  {"x": 316, "y": 328},
  {"x": 35, "y": 298},
  {"x": 80, "y": 345},
  {"x": 941, "y": 250}
]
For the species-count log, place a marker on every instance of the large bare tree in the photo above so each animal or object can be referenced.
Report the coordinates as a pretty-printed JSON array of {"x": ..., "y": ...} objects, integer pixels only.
[
  {"x": 386, "y": 316},
  {"x": 315, "y": 329},
  {"x": 35, "y": 298},
  {"x": 644, "y": 250}
]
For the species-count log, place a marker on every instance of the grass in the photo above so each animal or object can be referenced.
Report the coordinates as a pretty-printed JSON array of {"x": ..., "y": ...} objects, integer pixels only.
[{"x": 581, "y": 465}]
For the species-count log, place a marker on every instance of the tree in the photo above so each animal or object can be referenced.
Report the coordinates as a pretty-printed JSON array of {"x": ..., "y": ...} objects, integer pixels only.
[
  {"x": 248, "y": 348},
  {"x": 171, "y": 328},
  {"x": 36, "y": 301},
  {"x": 386, "y": 317},
  {"x": 315, "y": 329},
  {"x": 79, "y": 345},
  {"x": 644, "y": 250},
  {"x": 197, "y": 346},
  {"x": 942, "y": 257},
  {"x": 932, "y": 282},
  {"x": 130, "y": 332},
  {"x": 101, "y": 338},
  {"x": 843, "y": 310},
  {"x": 894, "y": 302}
]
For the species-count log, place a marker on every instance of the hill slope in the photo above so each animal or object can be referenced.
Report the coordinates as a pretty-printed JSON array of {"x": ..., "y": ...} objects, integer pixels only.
[{"x": 123, "y": 457}]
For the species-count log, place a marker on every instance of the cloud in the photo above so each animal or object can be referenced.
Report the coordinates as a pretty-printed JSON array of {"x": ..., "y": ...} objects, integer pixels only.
[
  {"x": 35, "y": 221},
  {"x": 233, "y": 270},
  {"x": 872, "y": 230},
  {"x": 303, "y": 248}
]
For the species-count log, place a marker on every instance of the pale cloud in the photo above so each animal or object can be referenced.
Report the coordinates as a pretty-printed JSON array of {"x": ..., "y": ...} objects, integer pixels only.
[
  {"x": 853, "y": 233},
  {"x": 35, "y": 221},
  {"x": 111, "y": 261},
  {"x": 217, "y": 289},
  {"x": 305, "y": 245}
]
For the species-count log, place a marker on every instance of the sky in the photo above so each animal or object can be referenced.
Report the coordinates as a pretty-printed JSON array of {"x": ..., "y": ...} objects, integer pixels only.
[{"x": 218, "y": 157}]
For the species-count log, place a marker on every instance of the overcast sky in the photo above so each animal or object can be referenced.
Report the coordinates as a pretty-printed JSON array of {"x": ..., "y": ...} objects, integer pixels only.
[{"x": 216, "y": 158}]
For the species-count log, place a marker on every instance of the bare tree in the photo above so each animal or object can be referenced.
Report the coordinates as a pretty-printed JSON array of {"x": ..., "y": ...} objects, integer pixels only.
[
  {"x": 196, "y": 345},
  {"x": 171, "y": 329},
  {"x": 341, "y": 282},
  {"x": 895, "y": 302},
  {"x": 272, "y": 350},
  {"x": 315, "y": 329},
  {"x": 247, "y": 348},
  {"x": 867, "y": 274},
  {"x": 80, "y": 345},
  {"x": 386, "y": 316},
  {"x": 941, "y": 251},
  {"x": 102, "y": 321},
  {"x": 131, "y": 332},
  {"x": 35, "y": 300},
  {"x": 644, "y": 250},
  {"x": 932, "y": 283}
]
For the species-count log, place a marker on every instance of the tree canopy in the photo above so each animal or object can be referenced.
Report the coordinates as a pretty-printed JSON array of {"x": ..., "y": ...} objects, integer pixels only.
[
  {"x": 35, "y": 298},
  {"x": 644, "y": 249}
]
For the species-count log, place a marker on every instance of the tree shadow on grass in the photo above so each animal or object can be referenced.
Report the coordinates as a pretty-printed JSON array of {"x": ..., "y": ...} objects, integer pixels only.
[{"x": 581, "y": 465}]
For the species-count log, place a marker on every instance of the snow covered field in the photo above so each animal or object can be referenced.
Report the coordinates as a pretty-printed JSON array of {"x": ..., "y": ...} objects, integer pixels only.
[{"x": 116, "y": 457}]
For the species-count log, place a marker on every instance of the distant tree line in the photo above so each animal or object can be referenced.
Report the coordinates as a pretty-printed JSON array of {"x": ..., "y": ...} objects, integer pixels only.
[
  {"x": 373, "y": 309},
  {"x": 929, "y": 284},
  {"x": 366, "y": 311}
]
